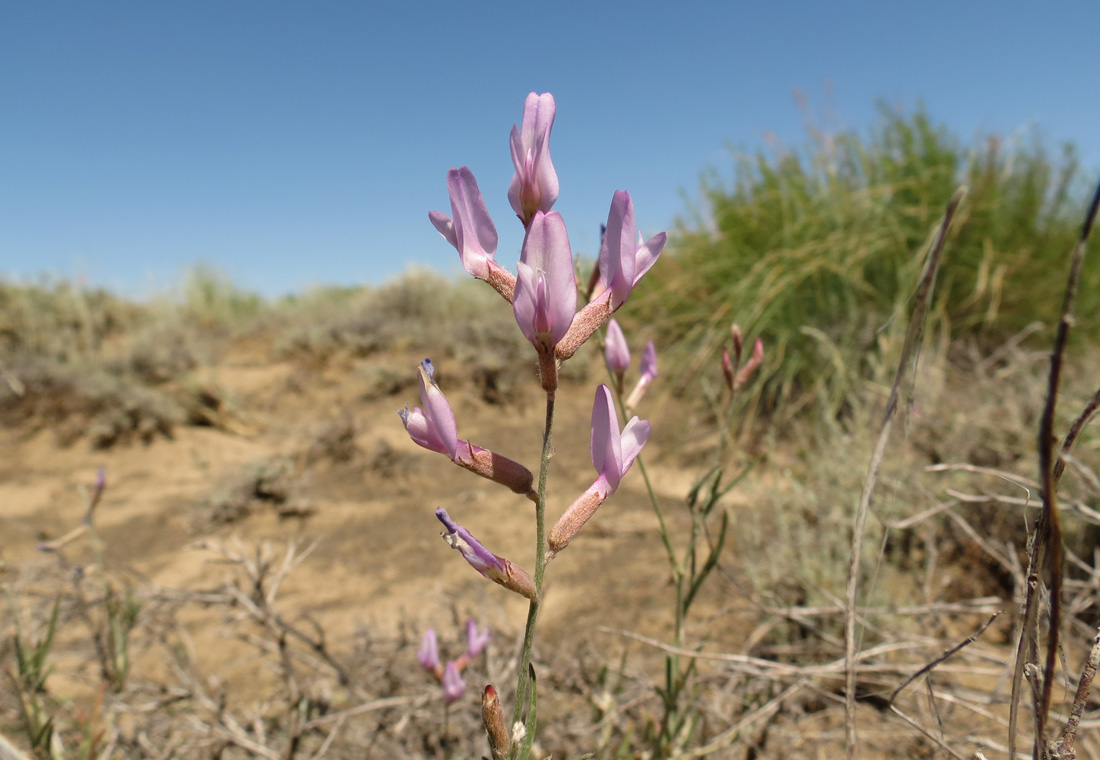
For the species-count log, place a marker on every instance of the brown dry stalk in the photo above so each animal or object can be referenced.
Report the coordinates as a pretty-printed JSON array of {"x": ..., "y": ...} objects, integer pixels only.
[
  {"x": 1046, "y": 548},
  {"x": 909, "y": 350},
  {"x": 1064, "y": 747}
]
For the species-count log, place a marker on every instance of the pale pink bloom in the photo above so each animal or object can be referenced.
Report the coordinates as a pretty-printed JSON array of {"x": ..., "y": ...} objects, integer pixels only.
[
  {"x": 616, "y": 352},
  {"x": 453, "y": 685},
  {"x": 470, "y": 229},
  {"x": 534, "y": 186},
  {"x": 613, "y": 453},
  {"x": 434, "y": 428},
  {"x": 624, "y": 257},
  {"x": 428, "y": 655},
  {"x": 546, "y": 288},
  {"x": 475, "y": 640}
]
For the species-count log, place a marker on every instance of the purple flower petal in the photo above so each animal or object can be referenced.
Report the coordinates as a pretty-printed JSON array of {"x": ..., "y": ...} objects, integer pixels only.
[
  {"x": 634, "y": 437},
  {"x": 496, "y": 569},
  {"x": 437, "y": 409},
  {"x": 613, "y": 453}
]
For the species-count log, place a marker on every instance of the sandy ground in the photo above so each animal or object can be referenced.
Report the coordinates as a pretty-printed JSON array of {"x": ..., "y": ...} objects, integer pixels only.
[{"x": 379, "y": 560}]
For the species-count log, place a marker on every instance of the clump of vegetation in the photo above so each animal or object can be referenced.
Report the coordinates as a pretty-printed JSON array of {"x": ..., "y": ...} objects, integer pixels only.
[
  {"x": 78, "y": 401},
  {"x": 816, "y": 250},
  {"x": 271, "y": 483}
]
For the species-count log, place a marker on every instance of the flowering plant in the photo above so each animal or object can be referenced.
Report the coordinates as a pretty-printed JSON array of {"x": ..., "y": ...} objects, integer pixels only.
[{"x": 543, "y": 295}]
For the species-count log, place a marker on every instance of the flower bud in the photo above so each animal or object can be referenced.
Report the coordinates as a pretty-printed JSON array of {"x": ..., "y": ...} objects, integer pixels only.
[{"x": 492, "y": 716}]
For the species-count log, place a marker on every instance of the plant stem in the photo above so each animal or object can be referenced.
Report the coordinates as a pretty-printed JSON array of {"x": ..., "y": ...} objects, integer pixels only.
[{"x": 540, "y": 560}]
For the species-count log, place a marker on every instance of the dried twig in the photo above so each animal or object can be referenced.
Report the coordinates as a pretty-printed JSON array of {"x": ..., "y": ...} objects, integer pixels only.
[{"x": 1046, "y": 550}]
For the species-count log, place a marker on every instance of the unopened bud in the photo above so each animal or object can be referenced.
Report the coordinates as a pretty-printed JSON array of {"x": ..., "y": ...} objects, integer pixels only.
[
  {"x": 750, "y": 366},
  {"x": 727, "y": 367},
  {"x": 492, "y": 716},
  {"x": 738, "y": 342}
]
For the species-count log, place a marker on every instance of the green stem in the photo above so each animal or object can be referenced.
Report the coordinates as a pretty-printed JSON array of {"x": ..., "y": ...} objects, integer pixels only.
[{"x": 540, "y": 560}]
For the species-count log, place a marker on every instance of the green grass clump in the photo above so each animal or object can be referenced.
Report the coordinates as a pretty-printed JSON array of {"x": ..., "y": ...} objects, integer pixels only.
[{"x": 817, "y": 250}]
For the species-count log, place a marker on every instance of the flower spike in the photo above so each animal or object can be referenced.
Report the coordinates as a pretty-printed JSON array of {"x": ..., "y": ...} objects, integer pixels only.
[{"x": 496, "y": 569}]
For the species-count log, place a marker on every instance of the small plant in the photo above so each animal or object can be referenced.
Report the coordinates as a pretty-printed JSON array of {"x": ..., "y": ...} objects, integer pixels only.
[
  {"x": 29, "y": 682},
  {"x": 690, "y": 568}
]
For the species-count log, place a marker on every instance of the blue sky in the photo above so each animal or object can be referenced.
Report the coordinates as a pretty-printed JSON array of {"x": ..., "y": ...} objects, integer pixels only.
[{"x": 299, "y": 143}]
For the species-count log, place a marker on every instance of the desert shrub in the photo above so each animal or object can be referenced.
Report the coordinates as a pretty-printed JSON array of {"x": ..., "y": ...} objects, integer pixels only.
[
  {"x": 59, "y": 319},
  {"x": 211, "y": 298},
  {"x": 85, "y": 402},
  {"x": 161, "y": 352},
  {"x": 271, "y": 482}
]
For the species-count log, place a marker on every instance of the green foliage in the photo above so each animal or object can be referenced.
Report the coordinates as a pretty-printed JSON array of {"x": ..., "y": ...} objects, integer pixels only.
[
  {"x": 29, "y": 682},
  {"x": 816, "y": 250}
]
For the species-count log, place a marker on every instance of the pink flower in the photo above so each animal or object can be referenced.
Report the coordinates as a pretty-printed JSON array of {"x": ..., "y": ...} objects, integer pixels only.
[
  {"x": 613, "y": 453},
  {"x": 433, "y": 427},
  {"x": 623, "y": 260},
  {"x": 428, "y": 655},
  {"x": 476, "y": 641},
  {"x": 616, "y": 352},
  {"x": 453, "y": 685},
  {"x": 546, "y": 289},
  {"x": 496, "y": 569},
  {"x": 534, "y": 186},
  {"x": 471, "y": 230}
]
